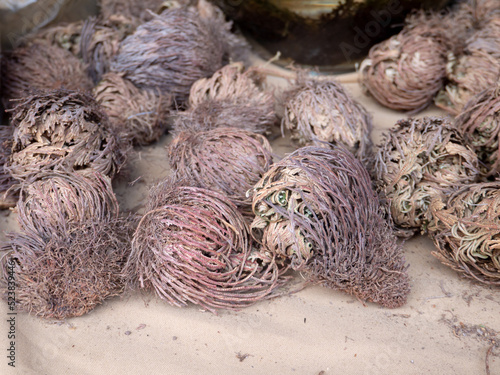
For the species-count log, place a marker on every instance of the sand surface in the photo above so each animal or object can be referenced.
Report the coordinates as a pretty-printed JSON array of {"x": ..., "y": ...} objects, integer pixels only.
[{"x": 447, "y": 326}]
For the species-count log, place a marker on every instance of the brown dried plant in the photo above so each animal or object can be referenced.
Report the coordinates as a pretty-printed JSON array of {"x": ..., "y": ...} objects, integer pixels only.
[
  {"x": 406, "y": 71},
  {"x": 228, "y": 160},
  {"x": 70, "y": 272},
  {"x": 66, "y": 36},
  {"x": 479, "y": 123},
  {"x": 175, "y": 49},
  {"x": 323, "y": 113},
  {"x": 62, "y": 130},
  {"x": 129, "y": 8},
  {"x": 193, "y": 246},
  {"x": 41, "y": 67},
  {"x": 140, "y": 115},
  {"x": 417, "y": 161},
  {"x": 467, "y": 232},
  {"x": 316, "y": 209},
  {"x": 8, "y": 190}
]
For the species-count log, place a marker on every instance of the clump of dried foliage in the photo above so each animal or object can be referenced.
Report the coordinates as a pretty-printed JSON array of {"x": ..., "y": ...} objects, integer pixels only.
[
  {"x": 467, "y": 232},
  {"x": 62, "y": 130},
  {"x": 322, "y": 113},
  {"x": 41, "y": 67},
  {"x": 420, "y": 160},
  {"x": 228, "y": 160},
  {"x": 8, "y": 191},
  {"x": 316, "y": 210},
  {"x": 140, "y": 115},
  {"x": 193, "y": 246},
  {"x": 175, "y": 49}
]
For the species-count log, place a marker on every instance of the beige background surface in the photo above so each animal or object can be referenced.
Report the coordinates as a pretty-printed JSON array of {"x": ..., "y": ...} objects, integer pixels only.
[{"x": 445, "y": 328}]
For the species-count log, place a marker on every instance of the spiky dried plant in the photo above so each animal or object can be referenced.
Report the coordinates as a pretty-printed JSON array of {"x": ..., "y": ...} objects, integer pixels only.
[
  {"x": 62, "y": 130},
  {"x": 8, "y": 190},
  {"x": 140, "y": 115},
  {"x": 406, "y": 71},
  {"x": 70, "y": 272},
  {"x": 175, "y": 49},
  {"x": 323, "y": 113},
  {"x": 228, "y": 160},
  {"x": 56, "y": 201},
  {"x": 420, "y": 160},
  {"x": 467, "y": 232},
  {"x": 316, "y": 209},
  {"x": 479, "y": 123},
  {"x": 41, "y": 67},
  {"x": 193, "y": 246}
]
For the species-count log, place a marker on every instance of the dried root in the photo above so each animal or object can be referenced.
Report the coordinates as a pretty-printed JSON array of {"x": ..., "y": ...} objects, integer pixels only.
[
  {"x": 139, "y": 115},
  {"x": 227, "y": 160},
  {"x": 8, "y": 190},
  {"x": 467, "y": 232},
  {"x": 193, "y": 246},
  {"x": 316, "y": 209},
  {"x": 420, "y": 160}
]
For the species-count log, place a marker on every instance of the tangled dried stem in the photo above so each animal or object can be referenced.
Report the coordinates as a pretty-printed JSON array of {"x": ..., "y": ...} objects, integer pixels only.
[
  {"x": 175, "y": 49},
  {"x": 467, "y": 232},
  {"x": 129, "y": 8},
  {"x": 318, "y": 113},
  {"x": 70, "y": 272},
  {"x": 61, "y": 130},
  {"x": 419, "y": 160},
  {"x": 228, "y": 160},
  {"x": 41, "y": 67},
  {"x": 8, "y": 191},
  {"x": 317, "y": 210},
  {"x": 192, "y": 245},
  {"x": 479, "y": 123},
  {"x": 139, "y": 115},
  {"x": 407, "y": 70}
]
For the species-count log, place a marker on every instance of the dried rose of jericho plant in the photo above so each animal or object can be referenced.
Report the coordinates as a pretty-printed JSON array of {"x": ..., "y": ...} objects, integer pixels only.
[
  {"x": 479, "y": 123},
  {"x": 41, "y": 67},
  {"x": 192, "y": 246},
  {"x": 407, "y": 70},
  {"x": 70, "y": 272},
  {"x": 129, "y": 8},
  {"x": 8, "y": 191},
  {"x": 59, "y": 200},
  {"x": 317, "y": 210},
  {"x": 228, "y": 160},
  {"x": 62, "y": 130},
  {"x": 467, "y": 232},
  {"x": 66, "y": 36},
  {"x": 137, "y": 114},
  {"x": 317, "y": 113},
  {"x": 419, "y": 160},
  {"x": 175, "y": 49}
]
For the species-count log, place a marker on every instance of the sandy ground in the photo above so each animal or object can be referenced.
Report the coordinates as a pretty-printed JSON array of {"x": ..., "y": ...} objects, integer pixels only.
[{"x": 447, "y": 326}]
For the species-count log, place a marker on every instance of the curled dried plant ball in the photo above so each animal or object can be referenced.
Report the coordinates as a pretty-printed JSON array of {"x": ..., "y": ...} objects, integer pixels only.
[
  {"x": 100, "y": 41},
  {"x": 66, "y": 36},
  {"x": 140, "y": 115},
  {"x": 41, "y": 67},
  {"x": 8, "y": 190},
  {"x": 129, "y": 8},
  {"x": 319, "y": 112},
  {"x": 467, "y": 232},
  {"x": 175, "y": 49},
  {"x": 228, "y": 160},
  {"x": 316, "y": 208},
  {"x": 58, "y": 200},
  {"x": 71, "y": 272},
  {"x": 61, "y": 130},
  {"x": 193, "y": 246},
  {"x": 479, "y": 123},
  {"x": 406, "y": 71},
  {"x": 212, "y": 114},
  {"x": 419, "y": 160}
]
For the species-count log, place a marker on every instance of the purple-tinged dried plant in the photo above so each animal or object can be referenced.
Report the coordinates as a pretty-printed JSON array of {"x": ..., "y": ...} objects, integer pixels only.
[
  {"x": 139, "y": 115},
  {"x": 420, "y": 160},
  {"x": 193, "y": 246},
  {"x": 316, "y": 210},
  {"x": 467, "y": 232},
  {"x": 228, "y": 160}
]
